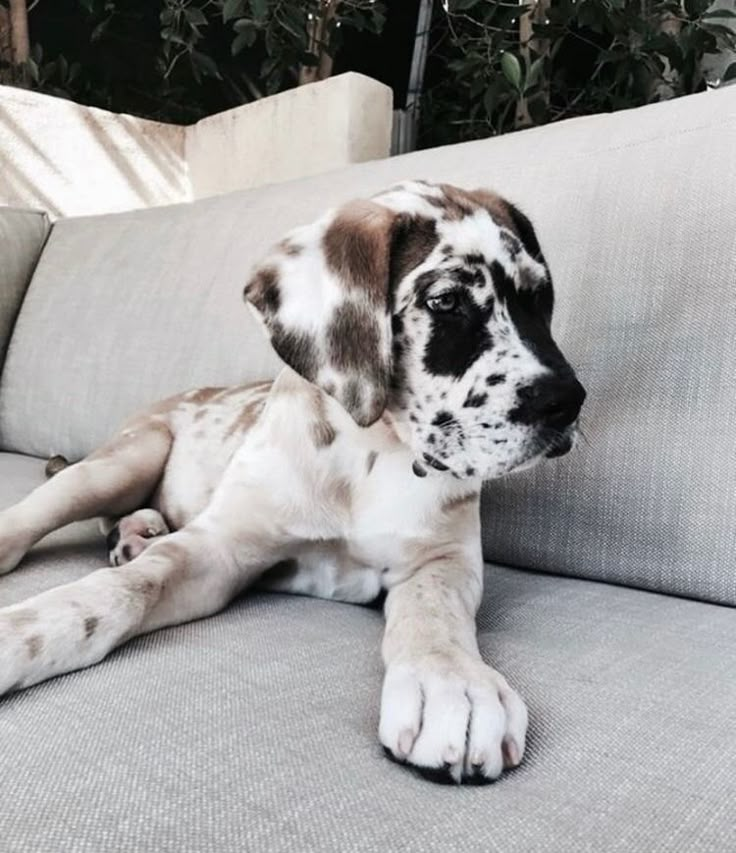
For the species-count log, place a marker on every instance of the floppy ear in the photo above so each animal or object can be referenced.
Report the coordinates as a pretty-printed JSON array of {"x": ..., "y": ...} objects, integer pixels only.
[{"x": 323, "y": 295}]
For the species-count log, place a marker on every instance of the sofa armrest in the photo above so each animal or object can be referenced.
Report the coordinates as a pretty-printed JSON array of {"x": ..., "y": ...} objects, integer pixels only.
[{"x": 23, "y": 234}]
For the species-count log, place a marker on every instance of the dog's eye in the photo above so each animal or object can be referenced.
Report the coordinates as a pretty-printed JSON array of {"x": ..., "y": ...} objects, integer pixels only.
[{"x": 443, "y": 303}]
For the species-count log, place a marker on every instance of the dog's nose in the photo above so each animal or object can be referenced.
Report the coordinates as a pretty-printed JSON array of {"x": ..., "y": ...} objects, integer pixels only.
[{"x": 551, "y": 401}]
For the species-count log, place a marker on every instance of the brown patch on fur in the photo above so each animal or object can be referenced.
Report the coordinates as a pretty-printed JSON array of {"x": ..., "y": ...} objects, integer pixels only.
[
  {"x": 247, "y": 416},
  {"x": 201, "y": 395},
  {"x": 495, "y": 205},
  {"x": 353, "y": 338},
  {"x": 459, "y": 203},
  {"x": 323, "y": 433},
  {"x": 356, "y": 246},
  {"x": 263, "y": 290},
  {"x": 354, "y": 347},
  {"x": 90, "y": 626},
  {"x": 34, "y": 645},
  {"x": 297, "y": 349},
  {"x": 370, "y": 461},
  {"x": 414, "y": 239}
]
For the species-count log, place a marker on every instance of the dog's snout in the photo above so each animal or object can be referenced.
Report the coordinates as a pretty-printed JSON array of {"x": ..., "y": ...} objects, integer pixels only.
[{"x": 551, "y": 401}]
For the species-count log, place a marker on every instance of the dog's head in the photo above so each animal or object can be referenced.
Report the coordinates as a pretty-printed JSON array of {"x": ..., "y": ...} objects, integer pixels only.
[{"x": 432, "y": 303}]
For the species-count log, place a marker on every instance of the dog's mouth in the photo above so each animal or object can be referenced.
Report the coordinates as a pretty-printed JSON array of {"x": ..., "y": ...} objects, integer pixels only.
[
  {"x": 556, "y": 443},
  {"x": 428, "y": 461},
  {"x": 559, "y": 447}
]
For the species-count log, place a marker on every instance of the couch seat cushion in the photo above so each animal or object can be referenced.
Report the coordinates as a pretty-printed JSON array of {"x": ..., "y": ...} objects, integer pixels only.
[{"x": 256, "y": 729}]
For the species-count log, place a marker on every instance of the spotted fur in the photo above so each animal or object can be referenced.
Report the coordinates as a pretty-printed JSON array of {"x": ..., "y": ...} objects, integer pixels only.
[{"x": 416, "y": 327}]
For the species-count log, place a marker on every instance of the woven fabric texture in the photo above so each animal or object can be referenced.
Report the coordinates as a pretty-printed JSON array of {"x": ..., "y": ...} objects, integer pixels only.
[
  {"x": 255, "y": 730},
  {"x": 22, "y": 235},
  {"x": 636, "y": 212}
]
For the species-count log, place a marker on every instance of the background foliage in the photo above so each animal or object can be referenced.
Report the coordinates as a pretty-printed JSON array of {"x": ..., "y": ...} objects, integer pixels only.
[
  {"x": 572, "y": 57},
  {"x": 178, "y": 60},
  {"x": 494, "y": 64}
]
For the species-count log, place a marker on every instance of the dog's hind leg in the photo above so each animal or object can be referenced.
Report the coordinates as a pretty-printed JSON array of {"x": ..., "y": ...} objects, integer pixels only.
[
  {"x": 113, "y": 481},
  {"x": 186, "y": 575}
]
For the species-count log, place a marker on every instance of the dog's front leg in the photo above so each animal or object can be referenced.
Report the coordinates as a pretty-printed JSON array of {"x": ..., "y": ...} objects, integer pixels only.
[
  {"x": 443, "y": 709},
  {"x": 187, "y": 575}
]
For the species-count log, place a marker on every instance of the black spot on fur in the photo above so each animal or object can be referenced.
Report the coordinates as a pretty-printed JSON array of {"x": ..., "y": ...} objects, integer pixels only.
[
  {"x": 370, "y": 461},
  {"x": 442, "y": 418},
  {"x": 495, "y": 378},
  {"x": 90, "y": 626},
  {"x": 418, "y": 470},
  {"x": 425, "y": 281},
  {"x": 458, "y": 338},
  {"x": 113, "y": 537},
  {"x": 474, "y": 401},
  {"x": 474, "y": 259},
  {"x": 525, "y": 230},
  {"x": 531, "y": 319}
]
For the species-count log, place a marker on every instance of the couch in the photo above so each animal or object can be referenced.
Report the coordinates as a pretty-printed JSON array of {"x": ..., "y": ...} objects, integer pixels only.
[{"x": 611, "y": 578}]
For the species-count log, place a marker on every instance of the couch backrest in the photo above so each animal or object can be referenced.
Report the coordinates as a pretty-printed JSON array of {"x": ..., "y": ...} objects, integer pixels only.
[
  {"x": 22, "y": 235},
  {"x": 636, "y": 213}
]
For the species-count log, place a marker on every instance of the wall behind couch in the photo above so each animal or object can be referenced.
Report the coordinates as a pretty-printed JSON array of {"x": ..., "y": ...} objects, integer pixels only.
[{"x": 72, "y": 160}]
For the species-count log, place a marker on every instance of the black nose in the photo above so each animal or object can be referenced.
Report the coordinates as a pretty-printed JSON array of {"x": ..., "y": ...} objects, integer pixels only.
[{"x": 551, "y": 401}]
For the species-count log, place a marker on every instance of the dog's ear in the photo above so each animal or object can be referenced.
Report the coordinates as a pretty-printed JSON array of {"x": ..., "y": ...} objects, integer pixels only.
[{"x": 323, "y": 295}]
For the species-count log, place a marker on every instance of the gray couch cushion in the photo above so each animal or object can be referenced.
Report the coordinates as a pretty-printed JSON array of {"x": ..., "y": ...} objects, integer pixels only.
[
  {"x": 256, "y": 729},
  {"x": 22, "y": 235},
  {"x": 636, "y": 214}
]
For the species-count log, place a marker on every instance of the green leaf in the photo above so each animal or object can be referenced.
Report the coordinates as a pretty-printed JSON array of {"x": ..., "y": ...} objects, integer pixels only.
[
  {"x": 729, "y": 73},
  {"x": 259, "y": 8},
  {"x": 462, "y": 5},
  {"x": 33, "y": 70},
  {"x": 535, "y": 72},
  {"x": 99, "y": 30},
  {"x": 511, "y": 70},
  {"x": 232, "y": 9},
  {"x": 242, "y": 40},
  {"x": 196, "y": 17},
  {"x": 206, "y": 64},
  {"x": 294, "y": 22},
  {"x": 719, "y": 13},
  {"x": 167, "y": 17},
  {"x": 695, "y": 8}
]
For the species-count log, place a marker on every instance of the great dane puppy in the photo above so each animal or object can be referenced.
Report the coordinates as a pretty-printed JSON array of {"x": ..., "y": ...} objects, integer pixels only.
[{"x": 416, "y": 330}]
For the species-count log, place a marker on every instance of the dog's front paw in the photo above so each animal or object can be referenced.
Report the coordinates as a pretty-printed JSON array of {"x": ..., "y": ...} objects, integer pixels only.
[{"x": 453, "y": 718}]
